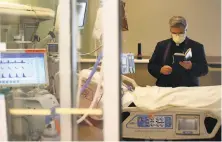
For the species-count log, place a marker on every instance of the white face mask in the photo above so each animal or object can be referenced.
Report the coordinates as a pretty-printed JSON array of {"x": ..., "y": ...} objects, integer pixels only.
[{"x": 178, "y": 38}]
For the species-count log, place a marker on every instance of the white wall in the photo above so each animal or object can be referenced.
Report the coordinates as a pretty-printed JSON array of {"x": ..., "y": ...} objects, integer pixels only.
[
  {"x": 87, "y": 41},
  {"x": 148, "y": 23}
]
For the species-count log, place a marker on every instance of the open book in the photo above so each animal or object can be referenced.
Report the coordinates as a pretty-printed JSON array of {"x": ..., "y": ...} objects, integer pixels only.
[{"x": 180, "y": 57}]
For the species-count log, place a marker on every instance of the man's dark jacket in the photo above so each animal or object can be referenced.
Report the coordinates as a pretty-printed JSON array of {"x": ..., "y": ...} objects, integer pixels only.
[{"x": 163, "y": 55}]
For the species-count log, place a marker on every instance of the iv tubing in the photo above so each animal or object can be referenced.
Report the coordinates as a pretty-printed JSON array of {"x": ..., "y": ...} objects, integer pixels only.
[
  {"x": 97, "y": 94},
  {"x": 91, "y": 74},
  {"x": 80, "y": 91}
]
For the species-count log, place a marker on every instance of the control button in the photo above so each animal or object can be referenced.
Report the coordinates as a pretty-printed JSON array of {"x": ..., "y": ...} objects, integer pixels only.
[{"x": 162, "y": 125}]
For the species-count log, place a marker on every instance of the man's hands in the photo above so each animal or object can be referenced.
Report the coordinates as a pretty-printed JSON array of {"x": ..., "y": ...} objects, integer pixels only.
[
  {"x": 186, "y": 64},
  {"x": 166, "y": 70}
]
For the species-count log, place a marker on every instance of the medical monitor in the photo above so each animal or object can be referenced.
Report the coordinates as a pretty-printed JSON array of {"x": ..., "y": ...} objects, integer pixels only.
[
  {"x": 23, "y": 68},
  {"x": 81, "y": 6},
  {"x": 188, "y": 124},
  {"x": 53, "y": 48}
]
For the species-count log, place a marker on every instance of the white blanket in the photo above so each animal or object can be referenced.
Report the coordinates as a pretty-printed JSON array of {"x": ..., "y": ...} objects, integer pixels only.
[{"x": 157, "y": 98}]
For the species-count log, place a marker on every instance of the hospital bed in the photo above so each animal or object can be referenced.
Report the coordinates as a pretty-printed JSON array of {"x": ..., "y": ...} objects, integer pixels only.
[
  {"x": 161, "y": 108},
  {"x": 154, "y": 104},
  {"x": 155, "y": 113},
  {"x": 158, "y": 103}
]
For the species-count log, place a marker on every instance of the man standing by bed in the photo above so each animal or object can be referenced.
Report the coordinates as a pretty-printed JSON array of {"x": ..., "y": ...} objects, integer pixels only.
[{"x": 186, "y": 73}]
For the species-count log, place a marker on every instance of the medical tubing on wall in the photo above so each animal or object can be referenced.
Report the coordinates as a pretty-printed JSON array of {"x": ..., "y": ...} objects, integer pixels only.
[
  {"x": 80, "y": 91},
  {"x": 97, "y": 94}
]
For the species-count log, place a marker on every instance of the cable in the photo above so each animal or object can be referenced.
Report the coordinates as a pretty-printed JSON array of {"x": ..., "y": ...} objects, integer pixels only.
[
  {"x": 51, "y": 32},
  {"x": 81, "y": 90},
  {"x": 55, "y": 17},
  {"x": 37, "y": 20},
  {"x": 84, "y": 54},
  {"x": 97, "y": 104},
  {"x": 52, "y": 87},
  {"x": 35, "y": 13},
  {"x": 54, "y": 82},
  {"x": 87, "y": 121},
  {"x": 95, "y": 97}
]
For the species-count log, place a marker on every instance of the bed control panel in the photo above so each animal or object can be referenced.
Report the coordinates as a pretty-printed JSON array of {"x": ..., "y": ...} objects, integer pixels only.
[
  {"x": 151, "y": 122},
  {"x": 170, "y": 124}
]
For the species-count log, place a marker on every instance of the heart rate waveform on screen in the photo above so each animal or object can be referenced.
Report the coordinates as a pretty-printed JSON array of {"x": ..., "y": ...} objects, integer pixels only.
[
  {"x": 17, "y": 69},
  {"x": 23, "y": 68},
  {"x": 15, "y": 76},
  {"x": 15, "y": 62}
]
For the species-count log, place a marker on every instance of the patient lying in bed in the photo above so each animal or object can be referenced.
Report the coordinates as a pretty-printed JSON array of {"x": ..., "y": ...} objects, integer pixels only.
[{"x": 158, "y": 98}]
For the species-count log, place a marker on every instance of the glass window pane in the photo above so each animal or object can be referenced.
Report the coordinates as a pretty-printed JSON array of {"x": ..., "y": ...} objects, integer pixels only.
[
  {"x": 89, "y": 94},
  {"x": 28, "y": 80},
  {"x": 51, "y": 76}
]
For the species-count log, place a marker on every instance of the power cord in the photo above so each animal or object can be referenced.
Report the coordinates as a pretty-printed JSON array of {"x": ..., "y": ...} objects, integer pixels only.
[{"x": 84, "y": 54}]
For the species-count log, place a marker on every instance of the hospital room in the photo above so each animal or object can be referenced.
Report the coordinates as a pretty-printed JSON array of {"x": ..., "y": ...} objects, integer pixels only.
[{"x": 110, "y": 70}]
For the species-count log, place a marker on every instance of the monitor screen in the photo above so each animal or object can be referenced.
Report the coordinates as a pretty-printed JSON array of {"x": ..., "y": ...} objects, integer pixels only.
[
  {"x": 23, "y": 68},
  {"x": 53, "y": 48},
  {"x": 188, "y": 124},
  {"x": 81, "y": 13}
]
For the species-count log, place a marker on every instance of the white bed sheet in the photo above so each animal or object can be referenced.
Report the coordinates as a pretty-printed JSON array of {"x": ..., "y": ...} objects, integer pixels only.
[
  {"x": 158, "y": 98},
  {"x": 153, "y": 98}
]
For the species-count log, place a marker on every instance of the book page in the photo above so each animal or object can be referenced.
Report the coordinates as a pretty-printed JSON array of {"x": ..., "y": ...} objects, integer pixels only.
[
  {"x": 188, "y": 50},
  {"x": 179, "y": 54},
  {"x": 188, "y": 54}
]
